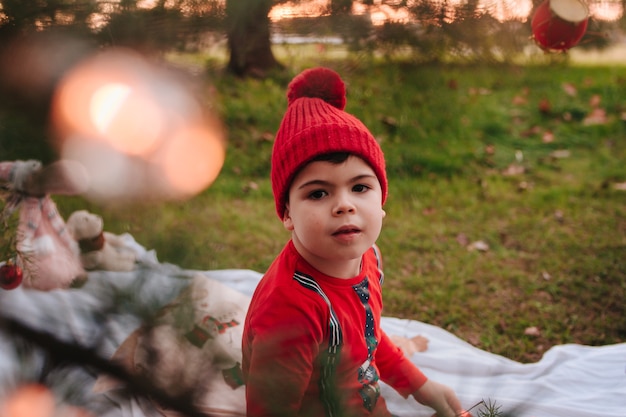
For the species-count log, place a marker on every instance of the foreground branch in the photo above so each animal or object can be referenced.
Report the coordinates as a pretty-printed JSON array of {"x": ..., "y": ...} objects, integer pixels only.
[{"x": 79, "y": 355}]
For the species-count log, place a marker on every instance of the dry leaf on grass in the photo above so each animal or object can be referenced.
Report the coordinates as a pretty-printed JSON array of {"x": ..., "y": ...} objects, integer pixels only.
[
  {"x": 596, "y": 117},
  {"x": 479, "y": 245},
  {"x": 544, "y": 106},
  {"x": 560, "y": 154},
  {"x": 621, "y": 186},
  {"x": 570, "y": 89},
  {"x": 548, "y": 137},
  {"x": 532, "y": 331},
  {"x": 519, "y": 100},
  {"x": 514, "y": 169}
]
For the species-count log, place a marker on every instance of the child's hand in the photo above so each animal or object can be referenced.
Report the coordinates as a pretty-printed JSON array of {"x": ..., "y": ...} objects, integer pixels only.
[{"x": 440, "y": 398}]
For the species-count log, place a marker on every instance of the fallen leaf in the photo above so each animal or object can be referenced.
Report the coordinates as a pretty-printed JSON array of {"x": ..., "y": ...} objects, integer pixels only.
[
  {"x": 535, "y": 130},
  {"x": 502, "y": 326},
  {"x": 267, "y": 137},
  {"x": 473, "y": 339},
  {"x": 473, "y": 91},
  {"x": 570, "y": 89},
  {"x": 559, "y": 216},
  {"x": 519, "y": 100},
  {"x": 544, "y": 106},
  {"x": 548, "y": 137},
  {"x": 514, "y": 169},
  {"x": 462, "y": 239},
  {"x": 251, "y": 186},
  {"x": 479, "y": 245},
  {"x": 596, "y": 117},
  {"x": 389, "y": 121},
  {"x": 532, "y": 331},
  {"x": 595, "y": 100},
  {"x": 560, "y": 154},
  {"x": 621, "y": 186},
  {"x": 523, "y": 186}
]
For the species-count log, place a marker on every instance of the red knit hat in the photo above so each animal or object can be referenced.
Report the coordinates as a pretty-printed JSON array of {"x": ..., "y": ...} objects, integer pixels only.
[{"x": 315, "y": 124}]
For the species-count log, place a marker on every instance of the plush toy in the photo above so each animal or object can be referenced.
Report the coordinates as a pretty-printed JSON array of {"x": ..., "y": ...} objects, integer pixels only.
[
  {"x": 47, "y": 255},
  {"x": 192, "y": 350},
  {"x": 99, "y": 249}
]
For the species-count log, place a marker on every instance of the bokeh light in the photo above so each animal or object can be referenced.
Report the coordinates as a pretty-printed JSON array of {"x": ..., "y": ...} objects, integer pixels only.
[
  {"x": 609, "y": 10},
  {"x": 137, "y": 127},
  {"x": 30, "y": 400}
]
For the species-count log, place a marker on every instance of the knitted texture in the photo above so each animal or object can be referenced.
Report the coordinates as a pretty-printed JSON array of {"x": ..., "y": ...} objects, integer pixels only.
[{"x": 314, "y": 124}]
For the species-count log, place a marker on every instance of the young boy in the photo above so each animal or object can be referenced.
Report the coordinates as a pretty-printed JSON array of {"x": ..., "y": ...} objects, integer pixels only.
[{"x": 312, "y": 343}]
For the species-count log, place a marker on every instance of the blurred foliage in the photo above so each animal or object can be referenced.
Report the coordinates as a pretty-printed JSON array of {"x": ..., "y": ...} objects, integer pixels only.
[{"x": 473, "y": 36}]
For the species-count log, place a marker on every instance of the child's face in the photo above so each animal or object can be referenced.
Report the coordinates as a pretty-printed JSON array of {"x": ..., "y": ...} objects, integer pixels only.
[{"x": 335, "y": 214}]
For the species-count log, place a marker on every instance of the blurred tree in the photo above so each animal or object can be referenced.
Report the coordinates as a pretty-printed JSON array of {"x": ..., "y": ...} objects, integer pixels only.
[
  {"x": 340, "y": 6},
  {"x": 436, "y": 28},
  {"x": 248, "y": 32},
  {"x": 17, "y": 16}
]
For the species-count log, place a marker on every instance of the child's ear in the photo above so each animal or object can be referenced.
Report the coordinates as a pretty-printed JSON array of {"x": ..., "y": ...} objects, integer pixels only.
[{"x": 287, "y": 222}]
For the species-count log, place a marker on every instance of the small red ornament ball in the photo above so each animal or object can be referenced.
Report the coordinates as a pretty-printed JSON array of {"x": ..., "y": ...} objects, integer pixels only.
[{"x": 10, "y": 276}]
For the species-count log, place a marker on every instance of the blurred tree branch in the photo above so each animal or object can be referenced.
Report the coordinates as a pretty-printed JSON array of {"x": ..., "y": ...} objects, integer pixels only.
[{"x": 61, "y": 352}]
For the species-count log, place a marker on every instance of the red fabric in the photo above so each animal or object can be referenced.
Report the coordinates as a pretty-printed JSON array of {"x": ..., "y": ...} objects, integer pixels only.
[
  {"x": 315, "y": 124},
  {"x": 287, "y": 329}
]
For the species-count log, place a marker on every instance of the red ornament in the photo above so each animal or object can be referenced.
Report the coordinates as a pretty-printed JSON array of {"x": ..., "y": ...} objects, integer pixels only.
[
  {"x": 558, "y": 25},
  {"x": 10, "y": 275}
]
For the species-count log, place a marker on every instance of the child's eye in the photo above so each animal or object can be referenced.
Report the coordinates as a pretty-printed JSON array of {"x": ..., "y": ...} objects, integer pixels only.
[
  {"x": 360, "y": 188},
  {"x": 317, "y": 194}
]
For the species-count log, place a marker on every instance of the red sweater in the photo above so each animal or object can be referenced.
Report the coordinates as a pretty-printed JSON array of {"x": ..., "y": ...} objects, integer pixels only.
[{"x": 313, "y": 346}]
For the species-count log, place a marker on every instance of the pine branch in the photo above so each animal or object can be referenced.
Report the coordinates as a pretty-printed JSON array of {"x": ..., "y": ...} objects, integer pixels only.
[{"x": 62, "y": 351}]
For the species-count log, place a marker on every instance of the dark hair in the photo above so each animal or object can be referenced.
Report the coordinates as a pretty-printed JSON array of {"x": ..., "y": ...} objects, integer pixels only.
[{"x": 332, "y": 157}]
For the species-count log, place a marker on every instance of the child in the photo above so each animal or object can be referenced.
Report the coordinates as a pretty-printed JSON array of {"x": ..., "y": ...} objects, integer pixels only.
[{"x": 312, "y": 343}]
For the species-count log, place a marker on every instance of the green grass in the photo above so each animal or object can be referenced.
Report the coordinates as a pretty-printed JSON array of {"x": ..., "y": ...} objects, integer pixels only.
[{"x": 556, "y": 233}]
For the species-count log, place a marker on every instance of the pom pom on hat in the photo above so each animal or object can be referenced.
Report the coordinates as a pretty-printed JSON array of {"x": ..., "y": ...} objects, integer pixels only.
[
  {"x": 315, "y": 124},
  {"x": 318, "y": 83}
]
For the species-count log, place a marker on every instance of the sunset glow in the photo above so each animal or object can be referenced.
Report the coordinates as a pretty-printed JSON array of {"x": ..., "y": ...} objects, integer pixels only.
[
  {"x": 300, "y": 9},
  {"x": 606, "y": 10},
  {"x": 508, "y": 9},
  {"x": 380, "y": 13}
]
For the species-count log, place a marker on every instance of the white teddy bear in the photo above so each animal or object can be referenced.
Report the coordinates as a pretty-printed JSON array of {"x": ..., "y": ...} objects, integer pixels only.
[{"x": 99, "y": 249}]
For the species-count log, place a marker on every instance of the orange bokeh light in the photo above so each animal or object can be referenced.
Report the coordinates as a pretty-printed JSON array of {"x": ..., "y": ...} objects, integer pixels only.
[
  {"x": 30, "y": 400},
  {"x": 192, "y": 159},
  {"x": 120, "y": 113},
  {"x": 104, "y": 98},
  {"x": 138, "y": 130}
]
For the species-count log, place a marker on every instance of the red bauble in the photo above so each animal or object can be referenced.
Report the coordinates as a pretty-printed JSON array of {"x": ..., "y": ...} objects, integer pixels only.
[
  {"x": 10, "y": 276},
  {"x": 558, "y": 25}
]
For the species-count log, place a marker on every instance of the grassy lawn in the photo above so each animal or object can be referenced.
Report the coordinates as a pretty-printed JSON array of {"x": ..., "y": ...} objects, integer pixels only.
[{"x": 506, "y": 221}]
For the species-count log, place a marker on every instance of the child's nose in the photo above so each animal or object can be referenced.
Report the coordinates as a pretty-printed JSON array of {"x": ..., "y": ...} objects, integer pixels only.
[{"x": 344, "y": 205}]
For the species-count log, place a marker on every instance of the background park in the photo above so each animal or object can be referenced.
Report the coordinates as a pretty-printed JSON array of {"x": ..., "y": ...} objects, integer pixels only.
[{"x": 506, "y": 221}]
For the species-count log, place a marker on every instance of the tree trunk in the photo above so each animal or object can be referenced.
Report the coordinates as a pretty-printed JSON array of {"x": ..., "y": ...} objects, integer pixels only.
[{"x": 248, "y": 32}]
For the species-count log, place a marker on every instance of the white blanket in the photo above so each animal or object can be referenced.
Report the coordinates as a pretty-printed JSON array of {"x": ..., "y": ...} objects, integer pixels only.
[{"x": 569, "y": 381}]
